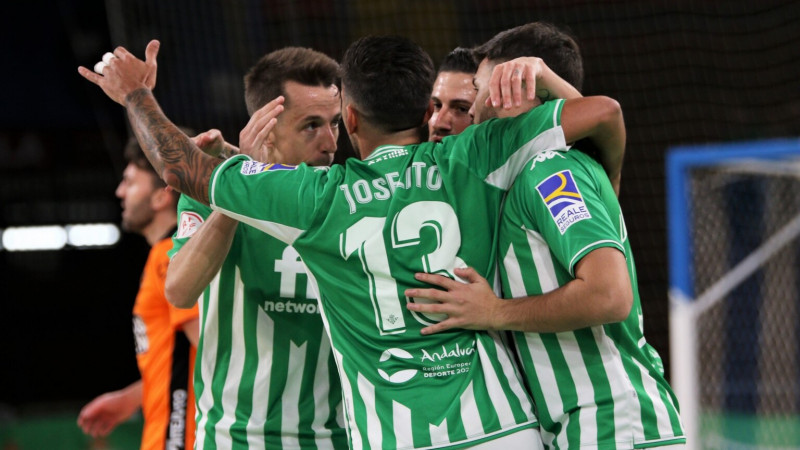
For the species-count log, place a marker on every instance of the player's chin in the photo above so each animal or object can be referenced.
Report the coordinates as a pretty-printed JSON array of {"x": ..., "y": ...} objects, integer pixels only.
[
  {"x": 436, "y": 138},
  {"x": 323, "y": 159}
]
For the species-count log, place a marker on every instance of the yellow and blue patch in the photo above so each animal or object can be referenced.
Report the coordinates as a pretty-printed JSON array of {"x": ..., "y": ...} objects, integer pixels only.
[
  {"x": 564, "y": 200},
  {"x": 254, "y": 167}
]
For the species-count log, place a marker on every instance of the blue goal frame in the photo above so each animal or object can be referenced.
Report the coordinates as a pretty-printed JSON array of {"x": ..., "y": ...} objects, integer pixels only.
[{"x": 683, "y": 306}]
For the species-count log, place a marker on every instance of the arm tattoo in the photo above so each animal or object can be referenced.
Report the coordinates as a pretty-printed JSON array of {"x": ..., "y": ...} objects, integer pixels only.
[{"x": 174, "y": 156}]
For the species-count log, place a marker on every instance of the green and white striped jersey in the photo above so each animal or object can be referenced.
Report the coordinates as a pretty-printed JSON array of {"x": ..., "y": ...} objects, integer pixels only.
[
  {"x": 265, "y": 377},
  {"x": 363, "y": 229},
  {"x": 598, "y": 387}
]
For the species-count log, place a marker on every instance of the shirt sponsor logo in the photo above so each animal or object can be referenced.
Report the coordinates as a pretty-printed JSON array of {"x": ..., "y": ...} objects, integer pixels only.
[
  {"x": 544, "y": 156},
  {"x": 254, "y": 167},
  {"x": 141, "y": 342},
  {"x": 177, "y": 421},
  {"x": 189, "y": 223},
  {"x": 436, "y": 363},
  {"x": 289, "y": 306},
  {"x": 400, "y": 376},
  {"x": 564, "y": 200}
]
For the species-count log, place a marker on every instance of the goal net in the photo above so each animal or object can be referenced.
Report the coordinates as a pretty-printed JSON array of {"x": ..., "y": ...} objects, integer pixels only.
[{"x": 734, "y": 226}]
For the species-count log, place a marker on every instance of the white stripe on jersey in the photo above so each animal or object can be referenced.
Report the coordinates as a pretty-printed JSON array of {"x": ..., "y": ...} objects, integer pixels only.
[
  {"x": 542, "y": 261},
  {"x": 654, "y": 393},
  {"x": 290, "y": 420},
  {"x": 207, "y": 363},
  {"x": 499, "y": 398},
  {"x": 367, "y": 392},
  {"x": 514, "y": 273},
  {"x": 401, "y": 421},
  {"x": 279, "y": 231},
  {"x": 469, "y": 412},
  {"x": 510, "y": 372},
  {"x": 547, "y": 380},
  {"x": 587, "y": 417},
  {"x": 347, "y": 398},
  {"x": 627, "y": 412},
  {"x": 439, "y": 433},
  {"x": 230, "y": 393},
  {"x": 258, "y": 416},
  {"x": 321, "y": 388},
  {"x": 551, "y": 139}
]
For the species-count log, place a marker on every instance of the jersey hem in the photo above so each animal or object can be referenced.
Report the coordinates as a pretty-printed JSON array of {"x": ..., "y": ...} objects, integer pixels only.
[
  {"x": 481, "y": 439},
  {"x": 661, "y": 442}
]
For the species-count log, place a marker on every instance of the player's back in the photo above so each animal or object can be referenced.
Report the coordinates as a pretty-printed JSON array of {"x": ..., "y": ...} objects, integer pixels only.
[
  {"x": 363, "y": 230},
  {"x": 401, "y": 211}
]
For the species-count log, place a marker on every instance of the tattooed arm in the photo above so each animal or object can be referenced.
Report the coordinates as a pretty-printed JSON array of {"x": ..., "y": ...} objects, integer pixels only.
[
  {"x": 174, "y": 155},
  {"x": 129, "y": 81}
]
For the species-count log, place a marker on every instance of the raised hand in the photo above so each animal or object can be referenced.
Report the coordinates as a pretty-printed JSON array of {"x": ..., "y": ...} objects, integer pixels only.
[
  {"x": 253, "y": 137},
  {"x": 212, "y": 143},
  {"x": 124, "y": 73},
  {"x": 506, "y": 88}
]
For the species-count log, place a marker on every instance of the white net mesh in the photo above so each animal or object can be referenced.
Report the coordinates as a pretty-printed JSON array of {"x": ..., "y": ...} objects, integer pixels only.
[{"x": 745, "y": 221}]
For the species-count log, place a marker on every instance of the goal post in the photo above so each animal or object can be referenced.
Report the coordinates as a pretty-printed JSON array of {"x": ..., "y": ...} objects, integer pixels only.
[{"x": 733, "y": 213}]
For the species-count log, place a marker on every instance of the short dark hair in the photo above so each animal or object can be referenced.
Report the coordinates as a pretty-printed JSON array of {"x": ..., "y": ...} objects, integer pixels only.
[
  {"x": 556, "y": 47},
  {"x": 390, "y": 79},
  {"x": 461, "y": 60},
  {"x": 267, "y": 78}
]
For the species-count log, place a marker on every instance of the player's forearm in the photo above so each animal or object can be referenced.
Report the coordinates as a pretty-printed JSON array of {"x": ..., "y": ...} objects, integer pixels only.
[
  {"x": 610, "y": 138},
  {"x": 571, "y": 307},
  {"x": 197, "y": 263},
  {"x": 601, "y": 293},
  {"x": 550, "y": 86},
  {"x": 599, "y": 119},
  {"x": 175, "y": 157}
]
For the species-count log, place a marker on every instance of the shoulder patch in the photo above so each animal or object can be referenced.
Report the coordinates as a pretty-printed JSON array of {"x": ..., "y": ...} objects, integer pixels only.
[
  {"x": 189, "y": 223},
  {"x": 254, "y": 167},
  {"x": 564, "y": 200}
]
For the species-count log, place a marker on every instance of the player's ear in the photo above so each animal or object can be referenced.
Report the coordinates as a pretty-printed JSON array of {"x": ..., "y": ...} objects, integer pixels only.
[
  {"x": 351, "y": 119},
  {"x": 428, "y": 113},
  {"x": 162, "y": 198}
]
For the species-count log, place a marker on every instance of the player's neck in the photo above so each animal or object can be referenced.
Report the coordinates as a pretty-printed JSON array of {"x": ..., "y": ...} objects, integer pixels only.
[
  {"x": 372, "y": 141},
  {"x": 159, "y": 227}
]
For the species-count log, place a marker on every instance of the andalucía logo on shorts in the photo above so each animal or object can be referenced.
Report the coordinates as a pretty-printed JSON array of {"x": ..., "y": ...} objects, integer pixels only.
[{"x": 563, "y": 198}]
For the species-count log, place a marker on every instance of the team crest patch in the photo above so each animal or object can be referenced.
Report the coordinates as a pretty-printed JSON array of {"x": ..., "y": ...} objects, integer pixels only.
[
  {"x": 189, "y": 223},
  {"x": 563, "y": 198},
  {"x": 254, "y": 167}
]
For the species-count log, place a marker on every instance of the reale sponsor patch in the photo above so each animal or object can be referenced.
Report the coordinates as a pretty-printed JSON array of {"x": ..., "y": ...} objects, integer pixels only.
[{"x": 563, "y": 198}]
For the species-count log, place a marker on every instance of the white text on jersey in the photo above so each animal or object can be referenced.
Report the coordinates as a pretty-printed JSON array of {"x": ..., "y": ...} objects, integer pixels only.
[{"x": 417, "y": 175}]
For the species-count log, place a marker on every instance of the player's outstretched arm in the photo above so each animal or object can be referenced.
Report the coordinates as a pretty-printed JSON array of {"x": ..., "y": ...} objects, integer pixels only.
[
  {"x": 128, "y": 81},
  {"x": 600, "y": 293},
  {"x": 600, "y": 119},
  {"x": 100, "y": 416}
]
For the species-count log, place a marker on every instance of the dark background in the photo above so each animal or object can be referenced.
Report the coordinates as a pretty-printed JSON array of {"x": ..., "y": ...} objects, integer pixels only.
[{"x": 685, "y": 72}]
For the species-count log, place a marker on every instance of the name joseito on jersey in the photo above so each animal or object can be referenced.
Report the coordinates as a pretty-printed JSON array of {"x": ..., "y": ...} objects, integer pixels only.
[
  {"x": 265, "y": 375},
  {"x": 363, "y": 230},
  {"x": 598, "y": 387}
]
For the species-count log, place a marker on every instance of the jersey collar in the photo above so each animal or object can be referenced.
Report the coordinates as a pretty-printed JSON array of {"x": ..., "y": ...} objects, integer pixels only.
[{"x": 383, "y": 150}]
